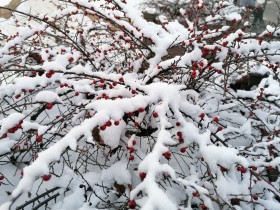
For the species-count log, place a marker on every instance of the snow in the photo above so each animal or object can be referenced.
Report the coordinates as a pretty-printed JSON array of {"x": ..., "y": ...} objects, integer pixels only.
[
  {"x": 5, "y": 2},
  {"x": 48, "y": 97},
  {"x": 260, "y": 69},
  {"x": 120, "y": 107},
  {"x": 38, "y": 6},
  {"x": 112, "y": 134},
  {"x": 226, "y": 157},
  {"x": 233, "y": 16},
  {"x": 6, "y": 145},
  {"x": 117, "y": 173}
]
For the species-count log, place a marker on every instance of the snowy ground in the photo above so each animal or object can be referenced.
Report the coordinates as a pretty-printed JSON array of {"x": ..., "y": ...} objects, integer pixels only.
[
  {"x": 38, "y": 7},
  {"x": 45, "y": 6}
]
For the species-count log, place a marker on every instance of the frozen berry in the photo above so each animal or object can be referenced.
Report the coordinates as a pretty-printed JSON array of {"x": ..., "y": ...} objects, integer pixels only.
[
  {"x": 167, "y": 155},
  {"x": 46, "y": 177},
  {"x": 142, "y": 175},
  {"x": 132, "y": 204},
  {"x": 49, "y": 106}
]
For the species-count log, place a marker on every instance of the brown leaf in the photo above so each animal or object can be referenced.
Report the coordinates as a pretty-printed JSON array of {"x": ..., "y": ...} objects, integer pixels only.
[
  {"x": 96, "y": 136},
  {"x": 119, "y": 188}
]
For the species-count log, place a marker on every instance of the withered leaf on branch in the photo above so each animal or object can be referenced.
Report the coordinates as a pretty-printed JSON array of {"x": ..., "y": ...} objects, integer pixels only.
[
  {"x": 96, "y": 136},
  {"x": 120, "y": 188},
  {"x": 272, "y": 174}
]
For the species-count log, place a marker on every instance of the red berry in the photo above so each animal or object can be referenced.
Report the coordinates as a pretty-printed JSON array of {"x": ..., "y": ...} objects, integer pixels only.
[
  {"x": 48, "y": 75},
  {"x": 203, "y": 207},
  {"x": 132, "y": 204},
  {"x": 18, "y": 96},
  {"x": 158, "y": 67},
  {"x": 167, "y": 155},
  {"x": 39, "y": 138},
  {"x": 155, "y": 114},
  {"x": 46, "y": 177},
  {"x": 202, "y": 115},
  {"x": 269, "y": 34},
  {"x": 194, "y": 64},
  {"x": 201, "y": 63},
  {"x": 116, "y": 123},
  {"x": 142, "y": 175},
  {"x": 103, "y": 127},
  {"x": 1, "y": 177},
  {"x": 255, "y": 197},
  {"x": 4, "y": 136},
  {"x": 178, "y": 124},
  {"x": 219, "y": 129},
  {"x": 133, "y": 91},
  {"x": 121, "y": 79},
  {"x": 195, "y": 194},
  {"x": 77, "y": 93},
  {"x": 49, "y": 106},
  {"x": 216, "y": 119},
  {"x": 108, "y": 123},
  {"x": 18, "y": 126},
  {"x": 12, "y": 130},
  {"x": 179, "y": 133},
  {"x": 131, "y": 149},
  {"x": 242, "y": 169},
  {"x": 136, "y": 124},
  {"x": 71, "y": 60},
  {"x": 183, "y": 149},
  {"x": 131, "y": 157},
  {"x": 141, "y": 110},
  {"x": 181, "y": 140},
  {"x": 254, "y": 168}
]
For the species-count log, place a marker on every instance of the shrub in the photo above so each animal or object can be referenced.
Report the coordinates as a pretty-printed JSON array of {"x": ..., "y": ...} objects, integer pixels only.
[{"x": 101, "y": 109}]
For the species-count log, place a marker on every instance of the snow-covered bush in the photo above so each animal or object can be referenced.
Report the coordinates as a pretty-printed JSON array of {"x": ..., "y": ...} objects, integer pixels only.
[{"x": 101, "y": 109}]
